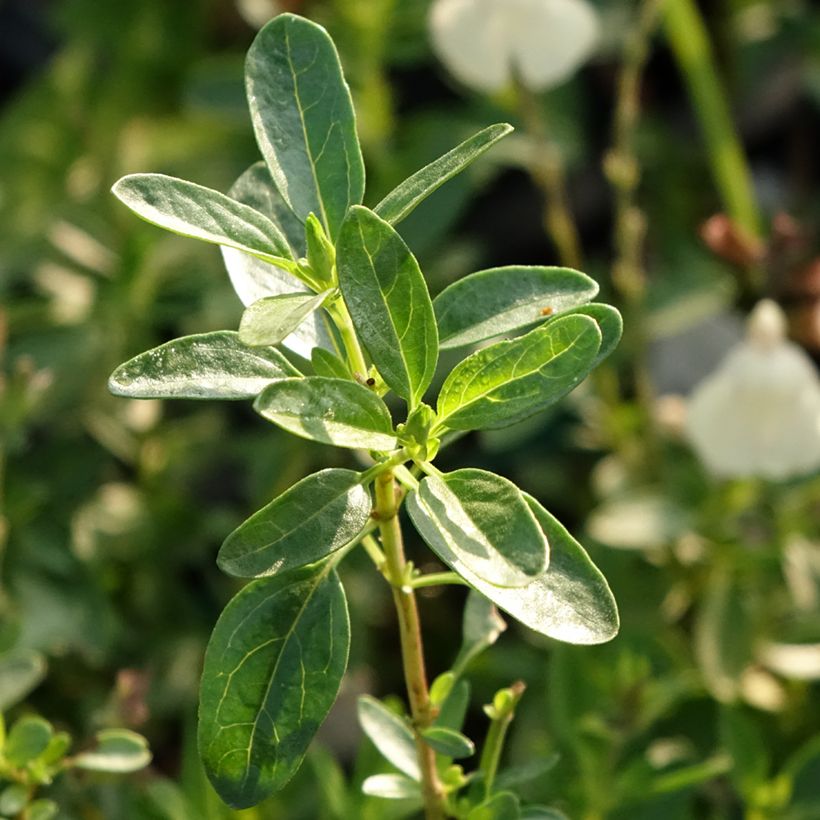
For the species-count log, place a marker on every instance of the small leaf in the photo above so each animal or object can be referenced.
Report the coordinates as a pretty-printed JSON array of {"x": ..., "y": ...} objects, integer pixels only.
[
  {"x": 570, "y": 602},
  {"x": 391, "y": 787},
  {"x": 453, "y": 711},
  {"x": 525, "y": 772},
  {"x": 332, "y": 411},
  {"x": 191, "y": 210},
  {"x": 272, "y": 670},
  {"x": 390, "y": 735},
  {"x": 400, "y": 202},
  {"x": 57, "y": 747},
  {"x": 118, "y": 750},
  {"x": 21, "y": 670},
  {"x": 328, "y": 364},
  {"x": 303, "y": 118},
  {"x": 503, "y": 300},
  {"x": 479, "y": 522},
  {"x": 42, "y": 809},
  {"x": 205, "y": 366},
  {"x": 501, "y": 806},
  {"x": 448, "y": 742},
  {"x": 511, "y": 380},
  {"x": 253, "y": 279},
  {"x": 13, "y": 799},
  {"x": 28, "y": 739},
  {"x": 311, "y": 520},
  {"x": 388, "y": 301},
  {"x": 441, "y": 687},
  {"x": 610, "y": 323},
  {"x": 481, "y": 628},
  {"x": 272, "y": 319}
]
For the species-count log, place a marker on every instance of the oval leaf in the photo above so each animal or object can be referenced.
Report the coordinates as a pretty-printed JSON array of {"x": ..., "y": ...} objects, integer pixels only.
[
  {"x": 205, "y": 366},
  {"x": 610, "y": 323},
  {"x": 28, "y": 739},
  {"x": 391, "y": 787},
  {"x": 501, "y": 806},
  {"x": 42, "y": 810},
  {"x": 570, "y": 602},
  {"x": 388, "y": 301},
  {"x": 401, "y": 201},
  {"x": 118, "y": 750},
  {"x": 270, "y": 320},
  {"x": 312, "y": 519},
  {"x": 253, "y": 279},
  {"x": 390, "y": 735},
  {"x": 448, "y": 742},
  {"x": 511, "y": 380},
  {"x": 303, "y": 118},
  {"x": 333, "y": 411},
  {"x": 503, "y": 300},
  {"x": 272, "y": 670},
  {"x": 192, "y": 210},
  {"x": 479, "y": 521},
  {"x": 21, "y": 670}
]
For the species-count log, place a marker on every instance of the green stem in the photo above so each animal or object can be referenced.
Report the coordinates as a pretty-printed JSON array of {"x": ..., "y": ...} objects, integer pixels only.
[
  {"x": 547, "y": 170},
  {"x": 689, "y": 41},
  {"x": 344, "y": 323},
  {"x": 434, "y": 579},
  {"x": 411, "y": 641},
  {"x": 497, "y": 733},
  {"x": 372, "y": 548}
]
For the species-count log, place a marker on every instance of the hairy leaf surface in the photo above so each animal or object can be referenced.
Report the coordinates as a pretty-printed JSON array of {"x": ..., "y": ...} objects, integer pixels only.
[
  {"x": 388, "y": 301},
  {"x": 204, "y": 366},
  {"x": 272, "y": 670},
  {"x": 511, "y": 380},
  {"x": 333, "y": 411},
  {"x": 479, "y": 523},
  {"x": 314, "y": 518},
  {"x": 303, "y": 118},
  {"x": 503, "y": 300},
  {"x": 401, "y": 201},
  {"x": 272, "y": 319}
]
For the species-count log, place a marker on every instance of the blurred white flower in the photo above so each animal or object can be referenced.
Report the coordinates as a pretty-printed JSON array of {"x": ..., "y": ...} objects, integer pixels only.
[
  {"x": 758, "y": 414},
  {"x": 483, "y": 42}
]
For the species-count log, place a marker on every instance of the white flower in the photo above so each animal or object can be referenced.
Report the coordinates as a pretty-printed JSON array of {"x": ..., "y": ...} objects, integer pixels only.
[
  {"x": 759, "y": 413},
  {"x": 483, "y": 42}
]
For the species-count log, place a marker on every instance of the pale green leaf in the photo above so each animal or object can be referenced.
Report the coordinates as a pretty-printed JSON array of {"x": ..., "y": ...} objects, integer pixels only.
[
  {"x": 328, "y": 364},
  {"x": 570, "y": 602},
  {"x": 388, "y": 301},
  {"x": 390, "y": 735},
  {"x": 42, "y": 809},
  {"x": 314, "y": 518},
  {"x": 333, "y": 411},
  {"x": 526, "y": 772},
  {"x": 481, "y": 627},
  {"x": 191, "y": 210},
  {"x": 415, "y": 189},
  {"x": 453, "y": 711},
  {"x": 479, "y": 524},
  {"x": 27, "y": 739},
  {"x": 204, "y": 366},
  {"x": 272, "y": 670},
  {"x": 499, "y": 301},
  {"x": 117, "y": 750},
  {"x": 21, "y": 670},
  {"x": 270, "y": 320},
  {"x": 391, "y": 787},
  {"x": 511, "y": 380},
  {"x": 501, "y": 806},
  {"x": 13, "y": 799},
  {"x": 448, "y": 742},
  {"x": 303, "y": 118}
]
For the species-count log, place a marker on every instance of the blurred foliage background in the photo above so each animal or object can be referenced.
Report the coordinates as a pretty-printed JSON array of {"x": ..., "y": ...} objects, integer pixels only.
[{"x": 111, "y": 511}]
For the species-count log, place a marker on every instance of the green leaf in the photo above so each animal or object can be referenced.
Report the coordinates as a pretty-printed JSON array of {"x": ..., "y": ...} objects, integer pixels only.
[
  {"x": 272, "y": 319},
  {"x": 480, "y": 525},
  {"x": 329, "y": 365},
  {"x": 441, "y": 687},
  {"x": 503, "y": 300},
  {"x": 525, "y": 772},
  {"x": 205, "y": 366},
  {"x": 511, "y": 380},
  {"x": 311, "y": 520},
  {"x": 303, "y": 118},
  {"x": 43, "y": 809},
  {"x": 570, "y": 602},
  {"x": 388, "y": 301},
  {"x": 501, "y": 806},
  {"x": 332, "y": 411},
  {"x": 57, "y": 748},
  {"x": 481, "y": 627},
  {"x": 28, "y": 738},
  {"x": 743, "y": 739},
  {"x": 610, "y": 323},
  {"x": 391, "y": 787},
  {"x": 415, "y": 189},
  {"x": 118, "y": 750},
  {"x": 272, "y": 670},
  {"x": 542, "y": 813},
  {"x": 390, "y": 735},
  {"x": 21, "y": 670},
  {"x": 448, "y": 742},
  {"x": 453, "y": 711},
  {"x": 191, "y": 210},
  {"x": 13, "y": 799}
]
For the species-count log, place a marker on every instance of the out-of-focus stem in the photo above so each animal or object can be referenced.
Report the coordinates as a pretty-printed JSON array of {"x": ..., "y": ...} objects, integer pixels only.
[{"x": 547, "y": 170}]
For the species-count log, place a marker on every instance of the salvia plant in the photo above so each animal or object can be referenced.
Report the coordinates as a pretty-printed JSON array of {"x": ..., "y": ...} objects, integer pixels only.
[{"x": 334, "y": 283}]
